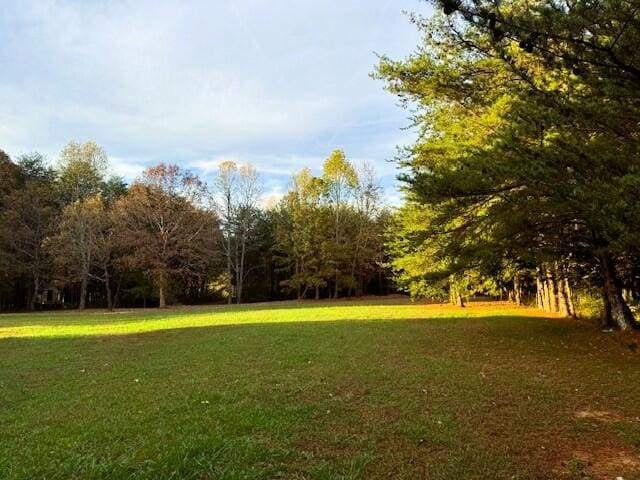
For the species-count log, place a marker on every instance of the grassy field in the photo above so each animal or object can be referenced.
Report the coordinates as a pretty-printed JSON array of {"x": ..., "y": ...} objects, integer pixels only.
[{"x": 318, "y": 390}]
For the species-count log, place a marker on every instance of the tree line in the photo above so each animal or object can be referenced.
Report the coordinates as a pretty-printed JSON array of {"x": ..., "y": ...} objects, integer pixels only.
[
  {"x": 523, "y": 184},
  {"x": 525, "y": 177},
  {"x": 72, "y": 235}
]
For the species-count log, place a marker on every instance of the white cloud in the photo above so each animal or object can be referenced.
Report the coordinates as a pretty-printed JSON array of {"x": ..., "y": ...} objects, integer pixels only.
[
  {"x": 277, "y": 83},
  {"x": 126, "y": 168},
  {"x": 266, "y": 163}
]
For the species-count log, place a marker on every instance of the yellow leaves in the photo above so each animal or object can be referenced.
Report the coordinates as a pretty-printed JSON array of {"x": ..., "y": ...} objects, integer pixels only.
[{"x": 337, "y": 169}]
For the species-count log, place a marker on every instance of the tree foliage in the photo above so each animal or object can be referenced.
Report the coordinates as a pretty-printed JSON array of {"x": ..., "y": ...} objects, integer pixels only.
[
  {"x": 528, "y": 147},
  {"x": 162, "y": 229},
  {"x": 330, "y": 231}
]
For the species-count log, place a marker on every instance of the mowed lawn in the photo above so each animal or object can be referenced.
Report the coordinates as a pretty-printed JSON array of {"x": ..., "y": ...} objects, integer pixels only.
[{"x": 316, "y": 390}]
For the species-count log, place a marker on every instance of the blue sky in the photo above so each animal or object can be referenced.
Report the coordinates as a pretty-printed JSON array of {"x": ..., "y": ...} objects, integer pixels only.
[{"x": 276, "y": 83}]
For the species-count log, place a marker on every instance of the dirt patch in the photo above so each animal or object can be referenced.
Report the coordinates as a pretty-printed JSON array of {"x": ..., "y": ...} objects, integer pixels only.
[
  {"x": 604, "y": 416},
  {"x": 605, "y": 463}
]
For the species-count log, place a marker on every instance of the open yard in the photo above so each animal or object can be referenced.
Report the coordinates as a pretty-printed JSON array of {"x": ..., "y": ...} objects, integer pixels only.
[{"x": 318, "y": 390}]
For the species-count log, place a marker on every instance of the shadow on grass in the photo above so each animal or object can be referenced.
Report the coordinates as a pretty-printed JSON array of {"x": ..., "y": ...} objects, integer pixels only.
[{"x": 312, "y": 394}]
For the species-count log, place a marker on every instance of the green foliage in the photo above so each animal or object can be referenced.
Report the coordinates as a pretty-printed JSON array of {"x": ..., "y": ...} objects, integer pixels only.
[
  {"x": 82, "y": 168},
  {"x": 329, "y": 230},
  {"x": 522, "y": 160},
  {"x": 27, "y": 210},
  {"x": 338, "y": 176}
]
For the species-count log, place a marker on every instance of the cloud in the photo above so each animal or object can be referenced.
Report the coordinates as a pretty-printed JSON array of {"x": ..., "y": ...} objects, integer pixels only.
[
  {"x": 277, "y": 83},
  {"x": 265, "y": 163},
  {"x": 126, "y": 168}
]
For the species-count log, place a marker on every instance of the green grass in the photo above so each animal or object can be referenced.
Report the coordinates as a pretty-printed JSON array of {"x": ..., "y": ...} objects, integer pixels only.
[
  {"x": 318, "y": 390},
  {"x": 64, "y": 324}
]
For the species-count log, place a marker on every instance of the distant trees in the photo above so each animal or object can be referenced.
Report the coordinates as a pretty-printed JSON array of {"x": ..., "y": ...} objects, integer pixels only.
[
  {"x": 527, "y": 161},
  {"x": 9, "y": 175},
  {"x": 236, "y": 193},
  {"x": 163, "y": 229},
  {"x": 26, "y": 214},
  {"x": 74, "y": 235},
  {"x": 301, "y": 232},
  {"x": 78, "y": 247},
  {"x": 330, "y": 229},
  {"x": 339, "y": 180},
  {"x": 67, "y": 232},
  {"x": 369, "y": 222},
  {"x": 81, "y": 171}
]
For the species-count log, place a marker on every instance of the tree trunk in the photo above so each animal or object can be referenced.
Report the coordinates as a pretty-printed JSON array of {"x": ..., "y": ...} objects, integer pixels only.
[
  {"x": 241, "y": 269},
  {"x": 617, "y": 312},
  {"x": 546, "y": 292},
  {"x": 236, "y": 266},
  {"x": 552, "y": 290},
  {"x": 548, "y": 297},
  {"x": 454, "y": 295},
  {"x": 517, "y": 289},
  {"x": 107, "y": 286},
  {"x": 163, "y": 302},
  {"x": 335, "y": 294},
  {"x": 539, "y": 289},
  {"x": 458, "y": 300},
  {"x": 606, "y": 321},
  {"x": 36, "y": 287},
  {"x": 563, "y": 302},
  {"x": 317, "y": 292},
  {"x": 229, "y": 282},
  {"x": 352, "y": 289},
  {"x": 569, "y": 294},
  {"x": 115, "y": 297},
  {"x": 162, "y": 290},
  {"x": 83, "y": 292}
]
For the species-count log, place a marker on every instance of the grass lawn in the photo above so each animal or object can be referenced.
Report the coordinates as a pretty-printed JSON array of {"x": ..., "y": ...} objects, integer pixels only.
[{"x": 318, "y": 390}]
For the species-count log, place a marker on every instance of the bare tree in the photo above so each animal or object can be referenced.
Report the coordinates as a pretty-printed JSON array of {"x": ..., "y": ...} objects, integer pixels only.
[
  {"x": 366, "y": 235},
  {"x": 237, "y": 192},
  {"x": 248, "y": 196},
  {"x": 226, "y": 185}
]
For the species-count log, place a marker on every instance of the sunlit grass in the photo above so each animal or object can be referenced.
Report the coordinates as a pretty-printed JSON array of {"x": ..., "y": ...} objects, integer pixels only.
[
  {"x": 61, "y": 324},
  {"x": 328, "y": 390}
]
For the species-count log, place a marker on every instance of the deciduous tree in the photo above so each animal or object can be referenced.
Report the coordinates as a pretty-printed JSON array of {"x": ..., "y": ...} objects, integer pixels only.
[{"x": 164, "y": 228}]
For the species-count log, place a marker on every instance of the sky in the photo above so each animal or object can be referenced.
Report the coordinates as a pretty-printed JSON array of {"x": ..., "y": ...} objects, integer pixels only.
[{"x": 279, "y": 84}]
